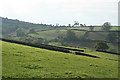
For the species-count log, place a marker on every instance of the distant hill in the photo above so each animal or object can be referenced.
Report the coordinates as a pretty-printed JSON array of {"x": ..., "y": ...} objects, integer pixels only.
[
  {"x": 11, "y": 25},
  {"x": 56, "y": 35}
]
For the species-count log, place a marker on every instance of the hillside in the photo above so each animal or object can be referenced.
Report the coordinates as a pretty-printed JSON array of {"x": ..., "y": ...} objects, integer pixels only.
[
  {"x": 57, "y": 35},
  {"x": 20, "y": 61},
  {"x": 11, "y": 25}
]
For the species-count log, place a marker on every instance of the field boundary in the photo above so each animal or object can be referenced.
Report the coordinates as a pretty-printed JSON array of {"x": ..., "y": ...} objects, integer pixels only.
[
  {"x": 87, "y": 32},
  {"x": 50, "y": 47},
  {"x": 108, "y": 52},
  {"x": 55, "y": 48}
]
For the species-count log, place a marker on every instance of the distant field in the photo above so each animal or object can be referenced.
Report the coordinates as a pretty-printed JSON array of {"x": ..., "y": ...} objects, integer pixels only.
[
  {"x": 87, "y": 28},
  {"x": 102, "y": 36},
  {"x": 97, "y": 35},
  {"x": 102, "y": 54},
  {"x": 115, "y": 28},
  {"x": 52, "y": 34},
  {"x": 21, "y": 61},
  {"x": 95, "y": 28}
]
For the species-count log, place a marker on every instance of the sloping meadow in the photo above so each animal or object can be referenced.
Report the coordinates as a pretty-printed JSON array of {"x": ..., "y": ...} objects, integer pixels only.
[{"x": 20, "y": 61}]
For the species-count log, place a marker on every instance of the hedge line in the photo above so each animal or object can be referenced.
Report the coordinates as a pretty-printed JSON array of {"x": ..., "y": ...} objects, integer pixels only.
[
  {"x": 108, "y": 52},
  {"x": 78, "y": 53},
  {"x": 49, "y": 47}
]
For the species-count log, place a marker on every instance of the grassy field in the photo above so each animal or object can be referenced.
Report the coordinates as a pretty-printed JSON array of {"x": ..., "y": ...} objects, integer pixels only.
[
  {"x": 52, "y": 34},
  {"x": 87, "y": 28},
  {"x": 20, "y": 61},
  {"x": 98, "y": 35},
  {"x": 95, "y": 28},
  {"x": 115, "y": 28}
]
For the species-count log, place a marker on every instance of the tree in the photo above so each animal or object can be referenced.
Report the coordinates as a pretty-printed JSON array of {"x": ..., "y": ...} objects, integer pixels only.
[
  {"x": 84, "y": 25},
  {"x": 32, "y": 31},
  {"x": 39, "y": 40},
  {"x": 69, "y": 25},
  {"x": 61, "y": 39},
  {"x": 106, "y": 26},
  {"x": 46, "y": 41},
  {"x": 82, "y": 39},
  {"x": 81, "y": 25},
  {"x": 70, "y": 36},
  {"x": 101, "y": 46},
  {"x": 91, "y": 28},
  {"x": 26, "y": 39},
  {"x": 20, "y": 32},
  {"x": 76, "y": 23}
]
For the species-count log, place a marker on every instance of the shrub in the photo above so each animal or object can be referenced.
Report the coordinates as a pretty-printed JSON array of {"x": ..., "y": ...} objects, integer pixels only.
[{"x": 101, "y": 46}]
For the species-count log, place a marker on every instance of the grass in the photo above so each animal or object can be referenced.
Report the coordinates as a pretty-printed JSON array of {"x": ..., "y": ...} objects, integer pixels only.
[
  {"x": 55, "y": 43},
  {"x": 95, "y": 28},
  {"x": 115, "y": 28},
  {"x": 97, "y": 35},
  {"x": 20, "y": 61},
  {"x": 102, "y": 54},
  {"x": 87, "y": 28},
  {"x": 52, "y": 34},
  {"x": 99, "y": 54}
]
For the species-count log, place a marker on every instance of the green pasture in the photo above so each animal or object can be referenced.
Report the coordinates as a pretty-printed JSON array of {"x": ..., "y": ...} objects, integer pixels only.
[
  {"x": 95, "y": 28},
  {"x": 20, "y": 61},
  {"x": 52, "y": 34}
]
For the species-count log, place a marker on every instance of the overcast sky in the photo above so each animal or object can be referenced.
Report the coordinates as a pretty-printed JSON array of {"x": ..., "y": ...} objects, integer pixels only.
[{"x": 88, "y": 12}]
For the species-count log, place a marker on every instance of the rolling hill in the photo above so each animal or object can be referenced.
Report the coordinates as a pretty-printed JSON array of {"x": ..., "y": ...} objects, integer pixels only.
[{"x": 20, "y": 61}]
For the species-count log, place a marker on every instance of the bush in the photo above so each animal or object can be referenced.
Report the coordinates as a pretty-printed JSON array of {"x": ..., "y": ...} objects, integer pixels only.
[{"x": 101, "y": 46}]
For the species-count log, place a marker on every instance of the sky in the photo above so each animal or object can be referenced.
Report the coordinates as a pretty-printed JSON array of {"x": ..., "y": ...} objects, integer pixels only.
[{"x": 63, "y": 12}]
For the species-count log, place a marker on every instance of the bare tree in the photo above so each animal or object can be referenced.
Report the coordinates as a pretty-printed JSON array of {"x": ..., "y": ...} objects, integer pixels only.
[{"x": 76, "y": 23}]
